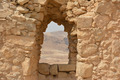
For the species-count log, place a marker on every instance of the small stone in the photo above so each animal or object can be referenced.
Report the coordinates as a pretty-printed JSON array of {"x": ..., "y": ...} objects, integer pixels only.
[
  {"x": 78, "y": 11},
  {"x": 70, "y": 5},
  {"x": 22, "y": 9},
  {"x": 67, "y": 67},
  {"x": 103, "y": 65},
  {"x": 1, "y": 29},
  {"x": 18, "y": 17},
  {"x": 84, "y": 22},
  {"x": 63, "y": 7},
  {"x": 54, "y": 70},
  {"x": 116, "y": 47},
  {"x": 26, "y": 67},
  {"x": 44, "y": 68},
  {"x": 32, "y": 34},
  {"x": 22, "y": 2},
  {"x": 39, "y": 16},
  {"x": 89, "y": 50},
  {"x": 42, "y": 2},
  {"x": 61, "y": 1},
  {"x": 84, "y": 70},
  {"x": 15, "y": 31},
  {"x": 37, "y": 9},
  {"x": 15, "y": 68},
  {"x": 31, "y": 7},
  {"x": 28, "y": 15},
  {"x": 42, "y": 77},
  {"x": 62, "y": 75}
]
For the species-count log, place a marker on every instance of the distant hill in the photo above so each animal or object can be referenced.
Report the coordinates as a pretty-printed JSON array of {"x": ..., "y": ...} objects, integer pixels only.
[{"x": 55, "y": 48}]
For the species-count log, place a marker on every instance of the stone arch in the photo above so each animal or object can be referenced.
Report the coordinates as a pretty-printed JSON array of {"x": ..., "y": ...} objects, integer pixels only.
[
  {"x": 96, "y": 26},
  {"x": 42, "y": 20}
]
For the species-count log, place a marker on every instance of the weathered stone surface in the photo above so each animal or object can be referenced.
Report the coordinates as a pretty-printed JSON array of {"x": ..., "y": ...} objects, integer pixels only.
[
  {"x": 22, "y": 2},
  {"x": 42, "y": 2},
  {"x": 93, "y": 28},
  {"x": 108, "y": 10},
  {"x": 26, "y": 67},
  {"x": 44, "y": 68},
  {"x": 22, "y": 10},
  {"x": 103, "y": 65},
  {"x": 77, "y": 11},
  {"x": 84, "y": 70},
  {"x": 62, "y": 75},
  {"x": 84, "y": 22},
  {"x": 38, "y": 16},
  {"x": 61, "y": 1},
  {"x": 26, "y": 41},
  {"x": 88, "y": 50},
  {"x": 42, "y": 77},
  {"x": 116, "y": 47},
  {"x": 54, "y": 69},
  {"x": 101, "y": 21},
  {"x": 70, "y": 5},
  {"x": 67, "y": 67}
]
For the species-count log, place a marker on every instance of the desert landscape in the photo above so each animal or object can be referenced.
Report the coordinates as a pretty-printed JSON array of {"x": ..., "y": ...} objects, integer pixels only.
[{"x": 55, "y": 48}]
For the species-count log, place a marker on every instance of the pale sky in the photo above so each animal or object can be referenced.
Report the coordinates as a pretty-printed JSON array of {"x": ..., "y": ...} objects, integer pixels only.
[{"x": 52, "y": 27}]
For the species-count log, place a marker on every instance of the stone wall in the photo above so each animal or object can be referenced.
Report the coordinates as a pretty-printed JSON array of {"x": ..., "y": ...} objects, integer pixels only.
[
  {"x": 57, "y": 71},
  {"x": 93, "y": 28}
]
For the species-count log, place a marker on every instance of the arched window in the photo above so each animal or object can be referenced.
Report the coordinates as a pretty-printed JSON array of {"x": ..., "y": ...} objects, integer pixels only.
[{"x": 55, "y": 45}]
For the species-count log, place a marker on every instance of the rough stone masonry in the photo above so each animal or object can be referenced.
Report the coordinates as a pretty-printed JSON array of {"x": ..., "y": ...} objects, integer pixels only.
[{"x": 93, "y": 28}]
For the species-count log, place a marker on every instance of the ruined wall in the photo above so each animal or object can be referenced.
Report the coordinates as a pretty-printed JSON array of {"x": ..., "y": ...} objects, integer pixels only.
[
  {"x": 94, "y": 36},
  {"x": 99, "y": 43}
]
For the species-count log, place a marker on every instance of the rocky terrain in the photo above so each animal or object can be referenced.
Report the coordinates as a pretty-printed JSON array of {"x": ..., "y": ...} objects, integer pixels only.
[{"x": 52, "y": 52}]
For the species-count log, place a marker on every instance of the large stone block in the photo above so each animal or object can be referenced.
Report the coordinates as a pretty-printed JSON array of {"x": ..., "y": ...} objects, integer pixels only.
[
  {"x": 87, "y": 50},
  {"x": 67, "y": 67},
  {"x": 18, "y": 40},
  {"x": 44, "y": 68},
  {"x": 84, "y": 22},
  {"x": 54, "y": 69},
  {"x": 101, "y": 20},
  {"x": 105, "y": 8},
  {"x": 84, "y": 70}
]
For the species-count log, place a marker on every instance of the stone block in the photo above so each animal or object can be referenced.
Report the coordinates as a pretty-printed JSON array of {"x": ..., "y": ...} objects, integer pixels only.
[
  {"x": 84, "y": 22},
  {"x": 42, "y": 77},
  {"x": 44, "y": 68},
  {"x": 42, "y": 2},
  {"x": 116, "y": 47},
  {"x": 84, "y": 70},
  {"x": 105, "y": 8},
  {"x": 62, "y": 75},
  {"x": 101, "y": 20},
  {"x": 87, "y": 50},
  {"x": 38, "y": 16},
  {"x": 61, "y": 1},
  {"x": 26, "y": 67},
  {"x": 67, "y": 67},
  {"x": 54, "y": 69},
  {"x": 22, "y": 9},
  {"x": 22, "y": 2}
]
